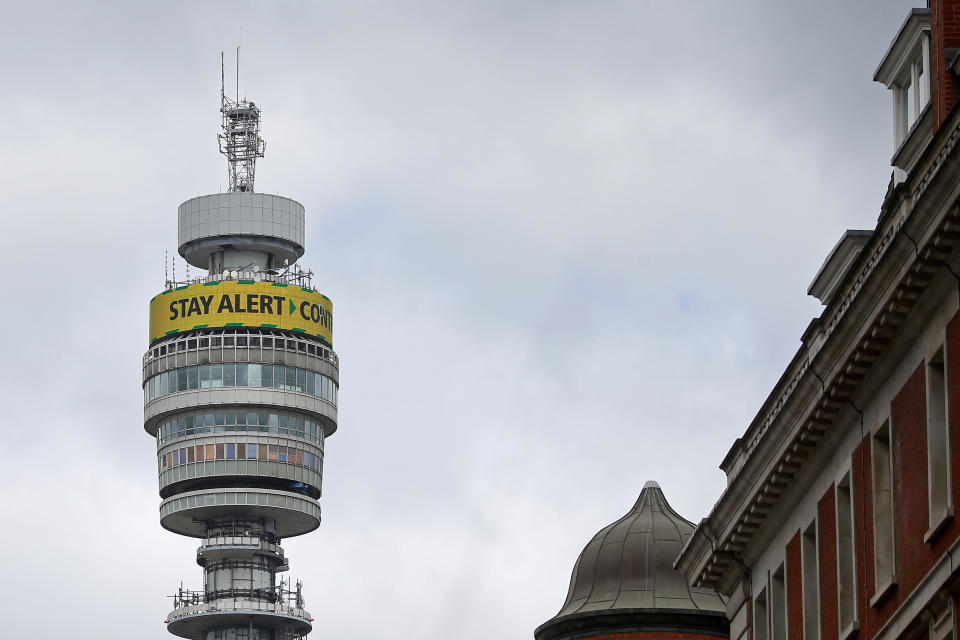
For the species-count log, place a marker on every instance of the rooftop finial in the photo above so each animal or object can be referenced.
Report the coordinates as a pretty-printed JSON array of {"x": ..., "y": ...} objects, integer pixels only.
[{"x": 240, "y": 138}]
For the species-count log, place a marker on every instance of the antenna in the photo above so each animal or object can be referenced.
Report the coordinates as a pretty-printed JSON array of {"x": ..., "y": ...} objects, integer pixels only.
[{"x": 239, "y": 138}]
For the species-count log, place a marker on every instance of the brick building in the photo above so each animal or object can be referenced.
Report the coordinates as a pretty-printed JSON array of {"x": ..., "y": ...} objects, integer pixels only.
[{"x": 838, "y": 519}]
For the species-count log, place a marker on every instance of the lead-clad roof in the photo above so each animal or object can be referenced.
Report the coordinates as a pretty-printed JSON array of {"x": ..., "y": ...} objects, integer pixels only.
[{"x": 627, "y": 568}]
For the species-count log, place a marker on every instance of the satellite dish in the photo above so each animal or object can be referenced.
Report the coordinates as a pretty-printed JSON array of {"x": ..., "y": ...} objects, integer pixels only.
[
  {"x": 256, "y": 269},
  {"x": 226, "y": 273},
  {"x": 233, "y": 274}
]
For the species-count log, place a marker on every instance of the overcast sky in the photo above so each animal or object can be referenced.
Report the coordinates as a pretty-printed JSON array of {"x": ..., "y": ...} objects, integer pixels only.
[{"x": 568, "y": 245}]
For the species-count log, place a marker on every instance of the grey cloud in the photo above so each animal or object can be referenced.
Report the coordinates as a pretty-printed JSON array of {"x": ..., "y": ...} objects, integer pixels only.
[{"x": 567, "y": 244}]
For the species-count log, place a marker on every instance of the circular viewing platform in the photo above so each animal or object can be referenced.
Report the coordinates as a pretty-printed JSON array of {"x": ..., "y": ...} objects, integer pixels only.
[
  {"x": 188, "y": 513},
  {"x": 239, "y": 546},
  {"x": 190, "y": 620}
]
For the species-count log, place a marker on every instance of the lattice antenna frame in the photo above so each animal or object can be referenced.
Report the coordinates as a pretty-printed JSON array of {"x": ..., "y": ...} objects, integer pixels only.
[{"x": 239, "y": 139}]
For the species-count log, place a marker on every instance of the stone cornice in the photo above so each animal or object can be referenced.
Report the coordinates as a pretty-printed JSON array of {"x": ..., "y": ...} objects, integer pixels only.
[{"x": 919, "y": 227}]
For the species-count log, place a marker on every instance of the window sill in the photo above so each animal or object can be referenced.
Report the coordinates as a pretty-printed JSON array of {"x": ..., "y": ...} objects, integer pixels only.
[
  {"x": 914, "y": 142},
  {"x": 883, "y": 591},
  {"x": 851, "y": 629},
  {"x": 937, "y": 524}
]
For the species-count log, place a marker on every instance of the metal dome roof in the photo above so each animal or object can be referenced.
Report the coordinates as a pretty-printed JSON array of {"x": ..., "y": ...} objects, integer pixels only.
[{"x": 625, "y": 575}]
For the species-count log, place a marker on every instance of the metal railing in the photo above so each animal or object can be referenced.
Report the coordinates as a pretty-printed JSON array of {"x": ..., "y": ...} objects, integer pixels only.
[
  {"x": 293, "y": 275},
  {"x": 284, "y": 594}
]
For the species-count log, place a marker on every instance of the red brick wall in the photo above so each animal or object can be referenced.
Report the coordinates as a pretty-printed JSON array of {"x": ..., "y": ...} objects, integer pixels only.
[
  {"x": 944, "y": 34},
  {"x": 914, "y": 558},
  {"x": 908, "y": 414},
  {"x": 908, "y": 417},
  {"x": 827, "y": 523},
  {"x": 794, "y": 590},
  {"x": 860, "y": 475},
  {"x": 953, "y": 418}
]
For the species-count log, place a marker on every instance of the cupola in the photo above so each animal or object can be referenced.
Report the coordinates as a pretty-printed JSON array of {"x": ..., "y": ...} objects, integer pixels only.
[{"x": 624, "y": 581}]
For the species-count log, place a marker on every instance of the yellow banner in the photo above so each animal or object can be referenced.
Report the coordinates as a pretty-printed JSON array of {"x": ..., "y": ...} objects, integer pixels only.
[{"x": 241, "y": 303}]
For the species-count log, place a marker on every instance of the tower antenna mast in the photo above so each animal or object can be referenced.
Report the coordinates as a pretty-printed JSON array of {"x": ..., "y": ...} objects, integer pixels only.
[{"x": 239, "y": 138}]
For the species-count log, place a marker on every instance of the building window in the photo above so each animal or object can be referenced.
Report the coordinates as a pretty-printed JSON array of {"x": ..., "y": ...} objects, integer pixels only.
[
  {"x": 938, "y": 465},
  {"x": 846, "y": 562},
  {"x": 941, "y": 622},
  {"x": 778, "y": 605},
  {"x": 810, "y": 561},
  {"x": 241, "y": 375},
  {"x": 884, "y": 565},
  {"x": 760, "y": 616},
  {"x": 911, "y": 93}
]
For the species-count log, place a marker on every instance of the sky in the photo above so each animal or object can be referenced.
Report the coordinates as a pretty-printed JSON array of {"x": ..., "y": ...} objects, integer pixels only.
[{"x": 568, "y": 246}]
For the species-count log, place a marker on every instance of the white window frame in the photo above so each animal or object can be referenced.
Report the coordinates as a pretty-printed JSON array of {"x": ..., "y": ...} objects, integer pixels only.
[
  {"x": 907, "y": 105},
  {"x": 907, "y": 64},
  {"x": 779, "y": 620},
  {"x": 881, "y": 472},
  {"x": 940, "y": 507},
  {"x": 761, "y": 616},
  {"x": 844, "y": 482},
  {"x": 810, "y": 591},
  {"x": 942, "y": 623}
]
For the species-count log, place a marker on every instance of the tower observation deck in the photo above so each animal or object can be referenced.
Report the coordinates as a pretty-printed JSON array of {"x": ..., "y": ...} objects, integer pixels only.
[{"x": 240, "y": 391}]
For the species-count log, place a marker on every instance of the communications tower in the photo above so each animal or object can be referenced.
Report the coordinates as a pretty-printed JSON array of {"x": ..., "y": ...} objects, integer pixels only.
[{"x": 240, "y": 391}]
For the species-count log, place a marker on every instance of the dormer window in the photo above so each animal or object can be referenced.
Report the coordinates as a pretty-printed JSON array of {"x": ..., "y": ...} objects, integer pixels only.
[
  {"x": 905, "y": 70},
  {"x": 911, "y": 91}
]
